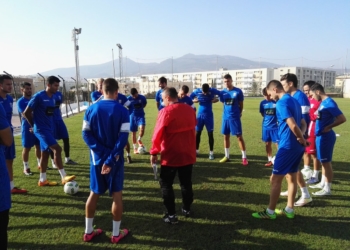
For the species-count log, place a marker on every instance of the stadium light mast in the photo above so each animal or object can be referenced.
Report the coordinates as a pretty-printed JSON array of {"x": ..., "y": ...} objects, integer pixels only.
[
  {"x": 75, "y": 37},
  {"x": 120, "y": 60}
]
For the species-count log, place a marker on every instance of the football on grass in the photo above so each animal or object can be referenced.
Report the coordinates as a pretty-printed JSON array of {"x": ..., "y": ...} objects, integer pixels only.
[
  {"x": 71, "y": 187},
  {"x": 141, "y": 150}
]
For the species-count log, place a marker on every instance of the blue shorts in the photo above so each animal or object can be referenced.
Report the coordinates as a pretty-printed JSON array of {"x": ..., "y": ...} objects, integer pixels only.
[
  {"x": 270, "y": 135},
  {"x": 29, "y": 139},
  {"x": 324, "y": 146},
  {"x": 232, "y": 126},
  {"x": 10, "y": 152},
  {"x": 46, "y": 140},
  {"x": 60, "y": 130},
  {"x": 113, "y": 181},
  {"x": 287, "y": 160},
  {"x": 205, "y": 120},
  {"x": 136, "y": 121}
]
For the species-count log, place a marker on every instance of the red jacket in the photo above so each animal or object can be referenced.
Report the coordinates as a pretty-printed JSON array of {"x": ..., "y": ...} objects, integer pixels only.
[
  {"x": 174, "y": 135},
  {"x": 314, "y": 104}
]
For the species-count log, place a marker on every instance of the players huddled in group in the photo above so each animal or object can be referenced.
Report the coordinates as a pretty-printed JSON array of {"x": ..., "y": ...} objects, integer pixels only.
[{"x": 298, "y": 123}]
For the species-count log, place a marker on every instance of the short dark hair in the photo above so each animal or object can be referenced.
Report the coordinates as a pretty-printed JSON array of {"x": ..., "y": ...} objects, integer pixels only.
[
  {"x": 163, "y": 80},
  {"x": 228, "y": 76},
  {"x": 133, "y": 91},
  {"x": 264, "y": 91},
  {"x": 289, "y": 77},
  {"x": 52, "y": 79},
  {"x": 171, "y": 92},
  {"x": 205, "y": 87},
  {"x": 110, "y": 85},
  {"x": 318, "y": 87},
  {"x": 274, "y": 84},
  {"x": 24, "y": 84},
  {"x": 309, "y": 83},
  {"x": 185, "y": 89},
  {"x": 4, "y": 77}
]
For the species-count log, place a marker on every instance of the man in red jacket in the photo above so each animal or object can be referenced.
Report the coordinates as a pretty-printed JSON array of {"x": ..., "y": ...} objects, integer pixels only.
[{"x": 174, "y": 138}]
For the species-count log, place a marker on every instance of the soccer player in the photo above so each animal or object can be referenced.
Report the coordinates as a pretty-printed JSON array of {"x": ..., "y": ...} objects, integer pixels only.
[
  {"x": 136, "y": 104},
  {"x": 205, "y": 117},
  {"x": 60, "y": 130},
  {"x": 98, "y": 93},
  {"x": 290, "y": 150},
  {"x": 310, "y": 151},
  {"x": 232, "y": 99},
  {"x": 6, "y": 139},
  {"x": 105, "y": 131},
  {"x": 28, "y": 138},
  {"x": 174, "y": 139},
  {"x": 10, "y": 153},
  {"x": 290, "y": 85},
  {"x": 184, "y": 98},
  {"x": 328, "y": 117},
  {"x": 39, "y": 113},
  {"x": 162, "y": 84},
  {"x": 269, "y": 125}
]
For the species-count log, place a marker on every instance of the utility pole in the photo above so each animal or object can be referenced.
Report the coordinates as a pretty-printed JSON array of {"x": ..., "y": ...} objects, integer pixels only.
[
  {"x": 75, "y": 36},
  {"x": 120, "y": 60}
]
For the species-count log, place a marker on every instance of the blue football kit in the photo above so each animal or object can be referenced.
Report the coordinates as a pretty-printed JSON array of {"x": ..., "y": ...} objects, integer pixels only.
[
  {"x": 269, "y": 125},
  {"x": 60, "y": 129},
  {"x": 105, "y": 131},
  {"x": 136, "y": 111},
  {"x": 159, "y": 99},
  {"x": 95, "y": 96},
  {"x": 305, "y": 105},
  {"x": 7, "y": 104}
]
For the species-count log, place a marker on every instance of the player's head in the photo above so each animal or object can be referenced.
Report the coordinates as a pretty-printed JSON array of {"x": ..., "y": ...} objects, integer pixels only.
[
  {"x": 26, "y": 89},
  {"x": 134, "y": 93},
  {"x": 265, "y": 94},
  {"x": 205, "y": 88},
  {"x": 289, "y": 82},
  {"x": 110, "y": 88},
  {"x": 99, "y": 84},
  {"x": 274, "y": 88},
  {"x": 306, "y": 87},
  {"x": 5, "y": 84},
  {"x": 162, "y": 82},
  {"x": 317, "y": 91},
  {"x": 184, "y": 90},
  {"x": 169, "y": 96},
  {"x": 53, "y": 83},
  {"x": 228, "y": 81}
]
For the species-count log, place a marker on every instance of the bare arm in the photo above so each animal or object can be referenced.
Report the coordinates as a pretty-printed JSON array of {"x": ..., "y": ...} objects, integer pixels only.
[
  {"x": 28, "y": 115},
  {"x": 241, "y": 107},
  {"x": 303, "y": 126},
  {"x": 338, "y": 120},
  {"x": 157, "y": 105},
  {"x": 215, "y": 100},
  {"x": 6, "y": 137},
  {"x": 296, "y": 131}
]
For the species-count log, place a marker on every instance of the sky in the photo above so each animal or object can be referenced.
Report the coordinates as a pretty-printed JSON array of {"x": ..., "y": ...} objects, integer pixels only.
[{"x": 36, "y": 35}]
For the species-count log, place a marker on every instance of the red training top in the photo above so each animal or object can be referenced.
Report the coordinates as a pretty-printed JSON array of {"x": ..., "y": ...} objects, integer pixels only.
[
  {"x": 174, "y": 135},
  {"x": 314, "y": 104}
]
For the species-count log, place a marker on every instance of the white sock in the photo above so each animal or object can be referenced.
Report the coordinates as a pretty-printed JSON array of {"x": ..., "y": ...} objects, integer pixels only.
[
  {"x": 197, "y": 151},
  {"x": 67, "y": 159},
  {"x": 139, "y": 138},
  {"x": 323, "y": 180},
  {"x": 289, "y": 210},
  {"x": 211, "y": 152},
  {"x": 116, "y": 228},
  {"x": 42, "y": 177},
  {"x": 327, "y": 186},
  {"x": 315, "y": 174},
  {"x": 244, "y": 154},
  {"x": 306, "y": 167},
  {"x": 135, "y": 146},
  {"x": 88, "y": 225},
  {"x": 53, "y": 163},
  {"x": 227, "y": 153},
  {"x": 38, "y": 160},
  {"x": 12, "y": 185},
  {"x": 305, "y": 192},
  {"x": 269, "y": 158},
  {"x": 270, "y": 211},
  {"x": 62, "y": 173},
  {"x": 127, "y": 154},
  {"x": 26, "y": 166}
]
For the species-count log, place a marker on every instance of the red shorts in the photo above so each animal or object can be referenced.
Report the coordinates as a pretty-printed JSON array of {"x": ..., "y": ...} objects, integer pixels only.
[{"x": 311, "y": 149}]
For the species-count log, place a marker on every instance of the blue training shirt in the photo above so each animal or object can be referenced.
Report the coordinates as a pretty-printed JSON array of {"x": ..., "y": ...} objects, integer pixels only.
[
  {"x": 122, "y": 99},
  {"x": 7, "y": 104},
  {"x": 95, "y": 95},
  {"x": 5, "y": 191},
  {"x": 187, "y": 100},
  {"x": 159, "y": 99},
  {"x": 136, "y": 105},
  {"x": 231, "y": 99},
  {"x": 106, "y": 129},
  {"x": 268, "y": 110},
  {"x": 22, "y": 104},
  {"x": 287, "y": 107},
  {"x": 205, "y": 100},
  {"x": 58, "y": 101},
  {"x": 43, "y": 108},
  {"x": 305, "y": 105},
  {"x": 326, "y": 114}
]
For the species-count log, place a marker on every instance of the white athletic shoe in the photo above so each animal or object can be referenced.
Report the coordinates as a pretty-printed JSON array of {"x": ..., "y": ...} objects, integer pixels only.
[
  {"x": 322, "y": 193},
  {"x": 318, "y": 185},
  {"x": 285, "y": 194},
  {"x": 307, "y": 173},
  {"x": 302, "y": 202}
]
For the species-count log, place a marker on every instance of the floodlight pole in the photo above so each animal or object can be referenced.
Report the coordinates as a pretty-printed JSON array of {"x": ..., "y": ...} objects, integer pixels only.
[
  {"x": 43, "y": 79},
  {"x": 14, "y": 90},
  {"x": 120, "y": 60},
  {"x": 65, "y": 94},
  {"x": 76, "y": 32}
]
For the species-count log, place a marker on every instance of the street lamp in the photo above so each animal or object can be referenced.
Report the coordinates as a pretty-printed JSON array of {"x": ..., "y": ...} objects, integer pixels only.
[
  {"x": 120, "y": 60},
  {"x": 75, "y": 33},
  {"x": 323, "y": 84}
]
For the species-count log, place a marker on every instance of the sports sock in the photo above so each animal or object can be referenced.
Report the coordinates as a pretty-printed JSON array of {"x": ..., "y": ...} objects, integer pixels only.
[
  {"x": 197, "y": 151},
  {"x": 227, "y": 153},
  {"x": 12, "y": 184},
  {"x": 244, "y": 154},
  {"x": 135, "y": 146},
  {"x": 269, "y": 158},
  {"x": 62, "y": 173},
  {"x": 88, "y": 225},
  {"x": 139, "y": 138},
  {"x": 42, "y": 177},
  {"x": 127, "y": 154},
  {"x": 306, "y": 167},
  {"x": 53, "y": 163},
  {"x": 327, "y": 186},
  {"x": 67, "y": 159},
  {"x": 323, "y": 180},
  {"x": 211, "y": 152},
  {"x": 305, "y": 192},
  {"x": 25, "y": 165},
  {"x": 116, "y": 228},
  {"x": 315, "y": 174},
  {"x": 270, "y": 211},
  {"x": 38, "y": 160},
  {"x": 289, "y": 210}
]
